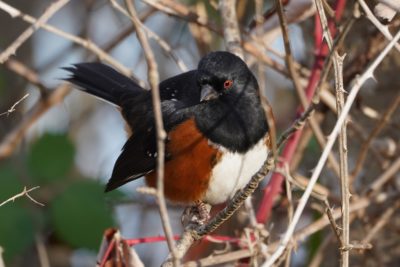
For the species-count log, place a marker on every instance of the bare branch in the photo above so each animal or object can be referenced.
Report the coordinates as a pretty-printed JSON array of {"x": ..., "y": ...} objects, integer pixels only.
[
  {"x": 89, "y": 45},
  {"x": 41, "y": 251},
  {"x": 12, "y": 108},
  {"x": 378, "y": 128},
  {"x": 232, "y": 38},
  {"x": 383, "y": 29},
  {"x": 151, "y": 34},
  {"x": 24, "y": 192},
  {"x": 12, "y": 139},
  {"x": 49, "y": 12},
  {"x": 384, "y": 177},
  {"x": 381, "y": 222}
]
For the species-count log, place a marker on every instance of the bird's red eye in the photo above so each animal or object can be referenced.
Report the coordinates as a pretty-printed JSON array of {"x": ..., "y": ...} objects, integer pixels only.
[{"x": 228, "y": 84}]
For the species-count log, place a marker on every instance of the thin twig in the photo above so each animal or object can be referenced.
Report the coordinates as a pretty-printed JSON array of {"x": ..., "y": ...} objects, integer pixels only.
[
  {"x": 331, "y": 140},
  {"x": 385, "y": 118},
  {"x": 336, "y": 229},
  {"x": 180, "y": 11},
  {"x": 381, "y": 222},
  {"x": 24, "y": 192},
  {"x": 383, "y": 29},
  {"x": 12, "y": 139},
  {"x": 227, "y": 9},
  {"x": 384, "y": 177},
  {"x": 12, "y": 108},
  {"x": 161, "y": 134},
  {"x": 48, "y": 13},
  {"x": 161, "y": 42},
  {"x": 43, "y": 256},
  {"x": 27, "y": 73},
  {"x": 290, "y": 211},
  {"x": 227, "y": 258},
  {"x": 174, "y": 8},
  {"x": 344, "y": 178},
  {"x": 89, "y": 45},
  {"x": 319, "y": 192},
  {"x": 356, "y": 206}
]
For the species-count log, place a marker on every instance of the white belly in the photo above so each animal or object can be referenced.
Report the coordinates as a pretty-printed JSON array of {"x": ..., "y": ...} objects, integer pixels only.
[{"x": 233, "y": 171}]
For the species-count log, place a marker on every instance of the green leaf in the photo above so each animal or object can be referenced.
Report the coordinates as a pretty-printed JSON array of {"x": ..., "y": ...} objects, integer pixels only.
[
  {"x": 80, "y": 214},
  {"x": 16, "y": 224},
  {"x": 16, "y": 230},
  {"x": 9, "y": 183},
  {"x": 50, "y": 158}
]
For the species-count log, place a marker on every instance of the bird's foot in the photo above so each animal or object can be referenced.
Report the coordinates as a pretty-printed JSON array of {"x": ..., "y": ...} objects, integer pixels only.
[{"x": 197, "y": 214}]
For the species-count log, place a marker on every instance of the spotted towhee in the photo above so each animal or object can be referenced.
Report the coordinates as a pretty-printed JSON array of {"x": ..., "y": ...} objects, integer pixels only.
[{"x": 216, "y": 127}]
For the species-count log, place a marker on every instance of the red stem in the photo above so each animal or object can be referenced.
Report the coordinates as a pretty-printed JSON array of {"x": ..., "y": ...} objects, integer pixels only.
[
  {"x": 274, "y": 187},
  {"x": 154, "y": 239},
  {"x": 107, "y": 253}
]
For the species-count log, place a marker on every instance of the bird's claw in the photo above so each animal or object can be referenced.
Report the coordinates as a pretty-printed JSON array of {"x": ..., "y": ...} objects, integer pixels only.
[{"x": 198, "y": 214}]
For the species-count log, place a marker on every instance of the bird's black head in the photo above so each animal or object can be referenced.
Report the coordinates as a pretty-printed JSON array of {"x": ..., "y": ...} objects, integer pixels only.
[
  {"x": 224, "y": 75},
  {"x": 230, "y": 113}
]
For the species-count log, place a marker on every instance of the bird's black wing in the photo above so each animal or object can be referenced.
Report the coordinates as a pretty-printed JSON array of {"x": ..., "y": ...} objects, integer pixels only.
[{"x": 139, "y": 153}]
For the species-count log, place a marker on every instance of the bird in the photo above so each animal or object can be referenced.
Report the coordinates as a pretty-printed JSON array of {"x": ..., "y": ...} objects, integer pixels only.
[{"x": 217, "y": 131}]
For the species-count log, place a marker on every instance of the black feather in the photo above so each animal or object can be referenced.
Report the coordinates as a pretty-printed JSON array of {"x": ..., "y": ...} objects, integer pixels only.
[{"x": 102, "y": 81}]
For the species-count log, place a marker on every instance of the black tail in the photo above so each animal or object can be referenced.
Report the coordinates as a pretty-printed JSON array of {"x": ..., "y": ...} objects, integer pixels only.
[{"x": 102, "y": 81}]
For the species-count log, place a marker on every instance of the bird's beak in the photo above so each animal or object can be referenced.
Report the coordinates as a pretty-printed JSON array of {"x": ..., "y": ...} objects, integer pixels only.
[{"x": 207, "y": 93}]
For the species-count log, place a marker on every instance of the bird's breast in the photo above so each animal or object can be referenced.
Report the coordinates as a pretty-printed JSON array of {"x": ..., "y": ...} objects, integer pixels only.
[{"x": 234, "y": 170}]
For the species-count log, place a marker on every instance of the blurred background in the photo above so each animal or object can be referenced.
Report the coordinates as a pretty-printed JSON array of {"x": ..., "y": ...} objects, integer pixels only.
[{"x": 66, "y": 142}]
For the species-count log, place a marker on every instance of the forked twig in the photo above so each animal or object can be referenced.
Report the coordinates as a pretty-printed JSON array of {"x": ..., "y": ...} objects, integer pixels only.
[
  {"x": 25, "y": 192},
  {"x": 12, "y": 108},
  {"x": 13, "y": 138}
]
